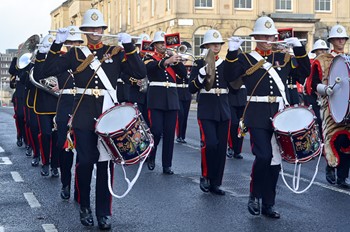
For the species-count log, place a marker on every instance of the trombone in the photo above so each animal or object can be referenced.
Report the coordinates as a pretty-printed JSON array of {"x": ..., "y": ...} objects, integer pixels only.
[
  {"x": 266, "y": 41},
  {"x": 97, "y": 34}
]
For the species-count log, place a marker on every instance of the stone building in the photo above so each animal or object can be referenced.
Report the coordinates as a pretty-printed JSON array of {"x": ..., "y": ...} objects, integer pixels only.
[
  {"x": 310, "y": 19},
  {"x": 5, "y": 90}
]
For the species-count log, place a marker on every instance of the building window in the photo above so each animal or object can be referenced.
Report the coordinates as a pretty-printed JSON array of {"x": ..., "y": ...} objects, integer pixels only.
[
  {"x": 198, "y": 40},
  {"x": 203, "y": 3},
  {"x": 283, "y": 4},
  {"x": 168, "y": 5},
  {"x": 152, "y": 8},
  {"x": 243, "y": 4},
  {"x": 323, "y": 5}
]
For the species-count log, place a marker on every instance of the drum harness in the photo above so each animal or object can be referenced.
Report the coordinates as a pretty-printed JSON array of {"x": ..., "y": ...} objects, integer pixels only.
[{"x": 242, "y": 130}]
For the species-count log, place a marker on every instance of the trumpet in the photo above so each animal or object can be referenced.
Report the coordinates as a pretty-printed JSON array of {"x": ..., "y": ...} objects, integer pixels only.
[
  {"x": 267, "y": 41},
  {"x": 182, "y": 51},
  {"x": 97, "y": 34}
]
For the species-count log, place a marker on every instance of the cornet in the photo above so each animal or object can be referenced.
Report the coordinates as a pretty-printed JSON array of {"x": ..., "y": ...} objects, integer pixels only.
[{"x": 182, "y": 51}]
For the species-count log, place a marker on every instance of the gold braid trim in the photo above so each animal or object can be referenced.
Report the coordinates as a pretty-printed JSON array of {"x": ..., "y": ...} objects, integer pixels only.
[
  {"x": 301, "y": 56},
  {"x": 286, "y": 58},
  {"x": 147, "y": 61},
  {"x": 130, "y": 53},
  {"x": 85, "y": 63},
  {"x": 255, "y": 67},
  {"x": 231, "y": 61}
]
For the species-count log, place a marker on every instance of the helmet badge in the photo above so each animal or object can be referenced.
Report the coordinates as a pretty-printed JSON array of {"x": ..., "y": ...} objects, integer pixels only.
[
  {"x": 339, "y": 30},
  {"x": 215, "y": 35},
  {"x": 268, "y": 24},
  {"x": 94, "y": 17}
]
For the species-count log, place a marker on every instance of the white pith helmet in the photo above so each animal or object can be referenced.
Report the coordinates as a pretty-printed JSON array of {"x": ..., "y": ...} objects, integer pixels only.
[
  {"x": 143, "y": 36},
  {"x": 319, "y": 44},
  {"x": 212, "y": 36},
  {"x": 264, "y": 26},
  {"x": 158, "y": 37},
  {"x": 93, "y": 18},
  {"x": 337, "y": 31},
  {"x": 73, "y": 36},
  {"x": 47, "y": 40}
]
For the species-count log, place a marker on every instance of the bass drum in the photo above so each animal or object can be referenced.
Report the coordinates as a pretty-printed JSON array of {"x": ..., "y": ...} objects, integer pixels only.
[
  {"x": 339, "y": 78},
  {"x": 297, "y": 134}
]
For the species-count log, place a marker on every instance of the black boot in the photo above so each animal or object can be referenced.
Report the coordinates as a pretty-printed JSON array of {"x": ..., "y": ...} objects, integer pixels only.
[
  {"x": 65, "y": 192},
  {"x": 104, "y": 222},
  {"x": 270, "y": 212},
  {"x": 330, "y": 174},
  {"x": 253, "y": 205},
  {"x": 86, "y": 216}
]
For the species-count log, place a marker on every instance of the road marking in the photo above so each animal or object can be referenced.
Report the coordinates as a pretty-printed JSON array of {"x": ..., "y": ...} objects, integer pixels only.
[
  {"x": 49, "y": 228},
  {"x": 2, "y": 229},
  {"x": 32, "y": 201},
  {"x": 322, "y": 185},
  {"x": 16, "y": 177},
  {"x": 5, "y": 160},
  {"x": 1, "y": 150}
]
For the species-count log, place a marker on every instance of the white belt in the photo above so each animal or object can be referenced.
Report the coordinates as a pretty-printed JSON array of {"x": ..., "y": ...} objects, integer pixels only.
[
  {"x": 268, "y": 99},
  {"x": 182, "y": 85},
  {"x": 292, "y": 86},
  {"x": 68, "y": 91},
  {"x": 162, "y": 84},
  {"x": 216, "y": 91},
  {"x": 94, "y": 92}
]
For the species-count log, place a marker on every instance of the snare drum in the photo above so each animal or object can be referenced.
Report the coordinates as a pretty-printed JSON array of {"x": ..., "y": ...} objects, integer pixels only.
[
  {"x": 296, "y": 133},
  {"x": 339, "y": 77},
  {"x": 124, "y": 134}
]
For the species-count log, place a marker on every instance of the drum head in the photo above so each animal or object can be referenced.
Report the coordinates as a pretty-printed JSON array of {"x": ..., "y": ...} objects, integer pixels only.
[
  {"x": 293, "y": 119},
  {"x": 115, "y": 119},
  {"x": 339, "y": 100}
]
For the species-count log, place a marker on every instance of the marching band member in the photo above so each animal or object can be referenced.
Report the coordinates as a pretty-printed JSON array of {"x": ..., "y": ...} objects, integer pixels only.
[
  {"x": 162, "y": 99},
  {"x": 336, "y": 136},
  {"x": 237, "y": 99},
  {"x": 138, "y": 88},
  {"x": 45, "y": 107},
  {"x": 18, "y": 103},
  {"x": 94, "y": 93},
  {"x": 64, "y": 109},
  {"x": 213, "y": 113},
  {"x": 264, "y": 73},
  {"x": 185, "y": 98}
]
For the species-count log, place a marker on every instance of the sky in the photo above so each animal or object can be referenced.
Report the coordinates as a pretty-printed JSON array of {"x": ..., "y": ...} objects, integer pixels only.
[{"x": 21, "y": 19}]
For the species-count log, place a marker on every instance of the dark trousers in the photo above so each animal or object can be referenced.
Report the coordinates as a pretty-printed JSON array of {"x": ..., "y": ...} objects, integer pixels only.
[
  {"x": 48, "y": 141},
  {"x": 341, "y": 143},
  {"x": 213, "y": 149},
  {"x": 20, "y": 120},
  {"x": 143, "y": 110},
  {"x": 182, "y": 119},
  {"x": 264, "y": 176},
  {"x": 235, "y": 143},
  {"x": 163, "y": 123},
  {"x": 87, "y": 156},
  {"x": 32, "y": 130}
]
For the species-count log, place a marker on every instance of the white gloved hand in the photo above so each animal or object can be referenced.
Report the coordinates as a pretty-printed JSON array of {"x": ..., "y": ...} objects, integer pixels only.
[
  {"x": 324, "y": 89},
  {"x": 293, "y": 41},
  {"x": 329, "y": 90},
  {"x": 234, "y": 43},
  {"x": 44, "y": 48},
  {"x": 61, "y": 35},
  {"x": 202, "y": 71},
  {"x": 124, "y": 38}
]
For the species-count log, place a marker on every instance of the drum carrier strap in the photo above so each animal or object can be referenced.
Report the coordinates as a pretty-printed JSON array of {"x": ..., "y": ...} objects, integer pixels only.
[{"x": 96, "y": 65}]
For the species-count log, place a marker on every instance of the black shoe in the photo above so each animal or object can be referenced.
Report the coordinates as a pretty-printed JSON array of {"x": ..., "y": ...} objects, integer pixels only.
[
  {"x": 269, "y": 211},
  {"x": 86, "y": 217},
  {"x": 65, "y": 192},
  {"x": 330, "y": 174},
  {"x": 183, "y": 140},
  {"x": 204, "y": 184},
  {"x": 151, "y": 163},
  {"x": 35, "y": 161},
  {"x": 45, "y": 170},
  {"x": 237, "y": 156},
  {"x": 343, "y": 183},
  {"x": 253, "y": 206},
  {"x": 54, "y": 172},
  {"x": 104, "y": 222},
  {"x": 168, "y": 171},
  {"x": 19, "y": 142},
  {"x": 229, "y": 153},
  {"x": 179, "y": 140},
  {"x": 28, "y": 151},
  {"x": 216, "y": 190}
]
